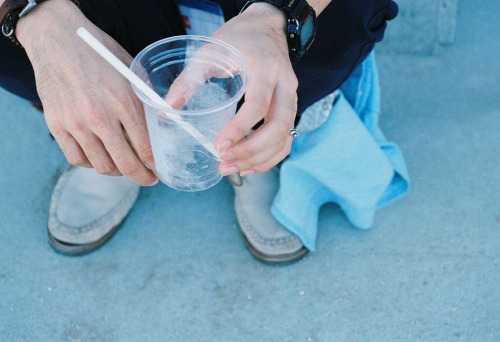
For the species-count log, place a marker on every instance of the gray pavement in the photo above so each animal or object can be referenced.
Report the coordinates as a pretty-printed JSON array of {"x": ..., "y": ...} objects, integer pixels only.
[{"x": 429, "y": 269}]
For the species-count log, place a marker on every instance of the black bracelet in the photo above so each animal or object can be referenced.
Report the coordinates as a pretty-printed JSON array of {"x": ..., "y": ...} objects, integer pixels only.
[{"x": 12, "y": 10}]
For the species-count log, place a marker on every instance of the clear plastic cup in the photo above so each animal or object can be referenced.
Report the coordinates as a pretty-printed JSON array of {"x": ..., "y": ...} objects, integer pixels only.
[{"x": 214, "y": 79}]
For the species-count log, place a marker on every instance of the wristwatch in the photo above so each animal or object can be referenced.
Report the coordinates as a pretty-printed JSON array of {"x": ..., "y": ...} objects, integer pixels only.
[
  {"x": 12, "y": 10},
  {"x": 301, "y": 24}
]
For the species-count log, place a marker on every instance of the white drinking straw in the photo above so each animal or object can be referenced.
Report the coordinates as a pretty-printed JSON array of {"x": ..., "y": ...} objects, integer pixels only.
[{"x": 144, "y": 88}]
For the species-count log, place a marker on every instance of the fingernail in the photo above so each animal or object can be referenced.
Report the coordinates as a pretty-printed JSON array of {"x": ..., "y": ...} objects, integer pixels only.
[
  {"x": 229, "y": 171},
  {"x": 227, "y": 156},
  {"x": 247, "y": 173},
  {"x": 224, "y": 146}
]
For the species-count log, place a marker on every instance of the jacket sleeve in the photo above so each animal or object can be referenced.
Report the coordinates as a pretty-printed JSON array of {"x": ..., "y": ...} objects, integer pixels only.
[{"x": 347, "y": 32}]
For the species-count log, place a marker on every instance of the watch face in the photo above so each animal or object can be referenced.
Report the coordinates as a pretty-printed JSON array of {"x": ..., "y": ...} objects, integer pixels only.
[
  {"x": 307, "y": 32},
  {"x": 301, "y": 30}
]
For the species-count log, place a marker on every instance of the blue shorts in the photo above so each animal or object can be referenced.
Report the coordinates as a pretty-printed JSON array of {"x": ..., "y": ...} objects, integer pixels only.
[{"x": 347, "y": 32}]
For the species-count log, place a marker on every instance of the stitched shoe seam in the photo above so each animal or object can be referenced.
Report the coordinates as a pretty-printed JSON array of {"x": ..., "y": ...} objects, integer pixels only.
[
  {"x": 90, "y": 226},
  {"x": 259, "y": 238},
  {"x": 99, "y": 221}
]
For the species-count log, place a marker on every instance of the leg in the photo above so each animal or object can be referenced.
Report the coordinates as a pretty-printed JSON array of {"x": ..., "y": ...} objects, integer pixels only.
[
  {"x": 123, "y": 20},
  {"x": 16, "y": 73},
  {"x": 86, "y": 207},
  {"x": 347, "y": 32}
]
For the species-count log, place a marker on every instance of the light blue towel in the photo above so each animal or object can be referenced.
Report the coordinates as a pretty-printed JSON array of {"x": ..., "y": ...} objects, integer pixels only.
[{"x": 347, "y": 160}]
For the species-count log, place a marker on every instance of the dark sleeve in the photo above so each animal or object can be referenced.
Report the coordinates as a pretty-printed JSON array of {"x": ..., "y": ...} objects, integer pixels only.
[{"x": 347, "y": 32}]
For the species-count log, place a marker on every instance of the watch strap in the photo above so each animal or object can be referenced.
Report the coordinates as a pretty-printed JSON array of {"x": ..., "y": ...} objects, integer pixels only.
[
  {"x": 12, "y": 10},
  {"x": 284, "y": 5},
  {"x": 296, "y": 11}
]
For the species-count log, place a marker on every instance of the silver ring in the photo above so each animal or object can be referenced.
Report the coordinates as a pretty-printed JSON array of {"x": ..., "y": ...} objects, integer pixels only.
[{"x": 293, "y": 133}]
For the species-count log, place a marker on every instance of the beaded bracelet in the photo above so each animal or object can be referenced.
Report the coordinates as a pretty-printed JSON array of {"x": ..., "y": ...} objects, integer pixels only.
[{"x": 12, "y": 10}]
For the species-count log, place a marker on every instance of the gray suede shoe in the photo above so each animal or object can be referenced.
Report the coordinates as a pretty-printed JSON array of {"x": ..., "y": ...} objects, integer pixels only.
[
  {"x": 265, "y": 237},
  {"x": 87, "y": 208}
]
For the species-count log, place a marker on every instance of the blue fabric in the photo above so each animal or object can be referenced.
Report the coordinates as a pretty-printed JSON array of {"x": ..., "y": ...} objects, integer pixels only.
[{"x": 347, "y": 160}]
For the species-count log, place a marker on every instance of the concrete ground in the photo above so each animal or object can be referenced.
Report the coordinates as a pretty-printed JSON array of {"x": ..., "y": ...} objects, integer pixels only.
[{"x": 177, "y": 270}]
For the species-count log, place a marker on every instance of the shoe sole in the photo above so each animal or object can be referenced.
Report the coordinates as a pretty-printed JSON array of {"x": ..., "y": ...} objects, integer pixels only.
[
  {"x": 274, "y": 259},
  {"x": 75, "y": 249}
]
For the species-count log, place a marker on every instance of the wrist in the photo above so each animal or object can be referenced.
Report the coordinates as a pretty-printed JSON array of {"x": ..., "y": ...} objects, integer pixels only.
[
  {"x": 300, "y": 23},
  {"x": 41, "y": 19},
  {"x": 272, "y": 14}
]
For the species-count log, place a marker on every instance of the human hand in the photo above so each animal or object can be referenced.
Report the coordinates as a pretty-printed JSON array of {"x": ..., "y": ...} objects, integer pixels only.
[
  {"x": 89, "y": 108},
  {"x": 258, "y": 33}
]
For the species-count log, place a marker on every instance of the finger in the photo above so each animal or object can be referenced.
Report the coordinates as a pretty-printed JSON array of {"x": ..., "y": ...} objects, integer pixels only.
[
  {"x": 71, "y": 149},
  {"x": 111, "y": 152},
  {"x": 145, "y": 150},
  {"x": 266, "y": 166},
  {"x": 136, "y": 132},
  {"x": 272, "y": 137},
  {"x": 183, "y": 89},
  {"x": 271, "y": 162},
  {"x": 192, "y": 77},
  {"x": 98, "y": 155},
  {"x": 127, "y": 162},
  {"x": 259, "y": 162},
  {"x": 256, "y": 106},
  {"x": 202, "y": 64}
]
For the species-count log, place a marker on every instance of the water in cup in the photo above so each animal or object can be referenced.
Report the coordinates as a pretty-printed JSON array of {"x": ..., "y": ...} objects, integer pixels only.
[
  {"x": 182, "y": 161},
  {"x": 188, "y": 166}
]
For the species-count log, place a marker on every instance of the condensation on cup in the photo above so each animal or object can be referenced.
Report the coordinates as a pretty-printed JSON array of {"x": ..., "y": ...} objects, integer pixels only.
[{"x": 207, "y": 78}]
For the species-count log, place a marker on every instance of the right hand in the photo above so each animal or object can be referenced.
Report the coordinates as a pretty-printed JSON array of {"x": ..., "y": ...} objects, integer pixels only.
[
  {"x": 271, "y": 96},
  {"x": 90, "y": 109}
]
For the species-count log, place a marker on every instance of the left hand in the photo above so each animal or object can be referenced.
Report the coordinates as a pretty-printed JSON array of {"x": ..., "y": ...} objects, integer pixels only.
[{"x": 259, "y": 34}]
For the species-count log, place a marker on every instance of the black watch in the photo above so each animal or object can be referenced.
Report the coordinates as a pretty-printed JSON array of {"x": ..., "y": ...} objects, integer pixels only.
[{"x": 301, "y": 24}]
